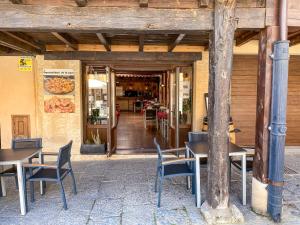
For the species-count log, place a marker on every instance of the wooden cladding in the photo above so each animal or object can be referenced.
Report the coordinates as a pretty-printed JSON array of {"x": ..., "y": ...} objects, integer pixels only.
[{"x": 243, "y": 106}]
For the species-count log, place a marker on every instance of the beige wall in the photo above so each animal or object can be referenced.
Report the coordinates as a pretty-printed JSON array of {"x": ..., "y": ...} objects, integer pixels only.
[
  {"x": 17, "y": 97},
  {"x": 58, "y": 128}
]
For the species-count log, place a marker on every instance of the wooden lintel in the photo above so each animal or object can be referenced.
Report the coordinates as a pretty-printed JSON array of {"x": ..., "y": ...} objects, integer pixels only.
[
  {"x": 17, "y": 45},
  {"x": 144, "y": 3},
  {"x": 176, "y": 42},
  {"x": 203, "y": 3},
  {"x": 103, "y": 41},
  {"x": 246, "y": 37},
  {"x": 67, "y": 39},
  {"x": 17, "y": 1},
  {"x": 123, "y": 56},
  {"x": 26, "y": 39},
  {"x": 49, "y": 18},
  {"x": 81, "y": 3},
  {"x": 141, "y": 42}
]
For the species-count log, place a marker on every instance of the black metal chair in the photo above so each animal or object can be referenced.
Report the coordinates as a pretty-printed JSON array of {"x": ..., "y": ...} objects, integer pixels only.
[
  {"x": 138, "y": 105},
  {"x": 150, "y": 116},
  {"x": 172, "y": 167},
  {"x": 21, "y": 144},
  {"x": 53, "y": 173}
]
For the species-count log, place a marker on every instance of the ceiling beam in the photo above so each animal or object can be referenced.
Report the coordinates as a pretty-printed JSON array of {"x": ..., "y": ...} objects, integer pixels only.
[
  {"x": 294, "y": 38},
  {"x": 26, "y": 39},
  {"x": 123, "y": 56},
  {"x": 4, "y": 49},
  {"x": 176, "y": 42},
  {"x": 54, "y": 18},
  {"x": 17, "y": 1},
  {"x": 203, "y": 3},
  {"x": 144, "y": 3},
  {"x": 81, "y": 3},
  {"x": 17, "y": 45},
  {"x": 103, "y": 41},
  {"x": 245, "y": 38},
  {"x": 67, "y": 39},
  {"x": 141, "y": 42}
]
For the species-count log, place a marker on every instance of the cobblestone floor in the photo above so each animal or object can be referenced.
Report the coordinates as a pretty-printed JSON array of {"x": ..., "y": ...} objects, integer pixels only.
[{"x": 120, "y": 191}]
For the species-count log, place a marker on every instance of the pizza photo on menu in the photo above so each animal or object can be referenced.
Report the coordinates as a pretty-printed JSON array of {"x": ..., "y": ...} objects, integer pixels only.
[
  {"x": 59, "y": 85},
  {"x": 57, "y": 104}
]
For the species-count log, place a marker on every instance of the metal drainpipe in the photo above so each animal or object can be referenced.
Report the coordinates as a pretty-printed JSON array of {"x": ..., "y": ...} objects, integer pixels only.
[{"x": 277, "y": 126}]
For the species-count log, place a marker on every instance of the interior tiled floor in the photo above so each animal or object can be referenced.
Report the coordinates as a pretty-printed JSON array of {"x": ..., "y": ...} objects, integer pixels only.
[
  {"x": 131, "y": 133},
  {"x": 119, "y": 191}
]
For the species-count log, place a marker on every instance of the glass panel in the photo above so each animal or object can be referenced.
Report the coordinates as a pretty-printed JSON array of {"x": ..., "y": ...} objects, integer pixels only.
[
  {"x": 113, "y": 98},
  {"x": 185, "y": 96},
  {"x": 97, "y": 98}
]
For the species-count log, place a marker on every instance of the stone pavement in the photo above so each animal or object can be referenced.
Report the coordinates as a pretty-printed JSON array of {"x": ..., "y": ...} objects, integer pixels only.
[{"x": 120, "y": 191}]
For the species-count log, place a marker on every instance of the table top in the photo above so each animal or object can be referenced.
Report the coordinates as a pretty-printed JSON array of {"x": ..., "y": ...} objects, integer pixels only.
[
  {"x": 13, "y": 155},
  {"x": 201, "y": 148}
]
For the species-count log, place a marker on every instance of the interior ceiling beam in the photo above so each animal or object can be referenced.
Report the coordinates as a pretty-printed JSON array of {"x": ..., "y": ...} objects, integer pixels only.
[
  {"x": 81, "y": 3},
  {"x": 141, "y": 42},
  {"x": 144, "y": 3},
  {"x": 67, "y": 39},
  {"x": 17, "y": 1},
  {"x": 49, "y": 18},
  {"x": 120, "y": 56},
  {"x": 203, "y": 3},
  {"x": 176, "y": 42},
  {"x": 26, "y": 39},
  {"x": 245, "y": 38},
  {"x": 4, "y": 49},
  {"x": 17, "y": 45},
  {"x": 103, "y": 41},
  {"x": 294, "y": 38}
]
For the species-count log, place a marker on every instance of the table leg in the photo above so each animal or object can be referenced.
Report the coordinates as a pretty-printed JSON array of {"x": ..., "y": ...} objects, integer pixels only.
[
  {"x": 198, "y": 188},
  {"x": 187, "y": 154},
  {"x": 3, "y": 188},
  {"x": 41, "y": 182},
  {"x": 21, "y": 188},
  {"x": 244, "y": 178}
]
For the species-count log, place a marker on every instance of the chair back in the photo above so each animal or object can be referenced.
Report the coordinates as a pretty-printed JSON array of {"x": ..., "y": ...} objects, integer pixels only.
[
  {"x": 28, "y": 143},
  {"x": 198, "y": 136},
  {"x": 158, "y": 149},
  {"x": 151, "y": 113},
  {"x": 138, "y": 104},
  {"x": 64, "y": 155}
]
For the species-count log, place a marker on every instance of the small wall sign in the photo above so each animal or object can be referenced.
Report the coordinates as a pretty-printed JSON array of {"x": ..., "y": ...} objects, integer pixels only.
[{"x": 25, "y": 64}]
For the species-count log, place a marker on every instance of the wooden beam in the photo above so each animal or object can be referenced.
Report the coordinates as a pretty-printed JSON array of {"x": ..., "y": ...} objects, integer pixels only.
[
  {"x": 49, "y": 18},
  {"x": 203, "y": 3},
  {"x": 17, "y": 1},
  {"x": 246, "y": 37},
  {"x": 123, "y": 56},
  {"x": 103, "y": 41},
  {"x": 17, "y": 45},
  {"x": 220, "y": 69},
  {"x": 67, "y": 39},
  {"x": 294, "y": 38},
  {"x": 176, "y": 42},
  {"x": 4, "y": 49},
  {"x": 81, "y": 3},
  {"x": 26, "y": 39},
  {"x": 141, "y": 42},
  {"x": 144, "y": 3}
]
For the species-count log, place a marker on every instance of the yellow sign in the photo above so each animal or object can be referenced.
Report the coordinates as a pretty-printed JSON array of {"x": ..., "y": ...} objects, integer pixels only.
[{"x": 25, "y": 64}]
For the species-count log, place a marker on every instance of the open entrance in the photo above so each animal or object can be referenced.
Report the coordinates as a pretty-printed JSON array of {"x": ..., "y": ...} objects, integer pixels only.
[{"x": 124, "y": 109}]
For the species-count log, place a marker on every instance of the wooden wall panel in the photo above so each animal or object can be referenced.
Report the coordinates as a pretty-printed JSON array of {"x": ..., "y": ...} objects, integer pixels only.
[{"x": 243, "y": 107}]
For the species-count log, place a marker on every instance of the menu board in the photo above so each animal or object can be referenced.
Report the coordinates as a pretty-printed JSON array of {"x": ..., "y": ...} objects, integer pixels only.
[{"x": 59, "y": 91}]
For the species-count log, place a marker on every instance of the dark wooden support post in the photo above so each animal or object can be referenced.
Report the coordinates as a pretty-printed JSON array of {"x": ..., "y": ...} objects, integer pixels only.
[
  {"x": 103, "y": 41},
  {"x": 141, "y": 42},
  {"x": 81, "y": 3},
  {"x": 267, "y": 37},
  {"x": 176, "y": 42},
  {"x": 67, "y": 39},
  {"x": 221, "y": 54},
  {"x": 144, "y": 3},
  {"x": 203, "y": 3},
  {"x": 17, "y": 1},
  {"x": 245, "y": 38}
]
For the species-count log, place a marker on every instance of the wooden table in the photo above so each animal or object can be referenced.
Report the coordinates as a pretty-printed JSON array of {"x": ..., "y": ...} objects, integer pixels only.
[
  {"x": 200, "y": 150},
  {"x": 17, "y": 157}
]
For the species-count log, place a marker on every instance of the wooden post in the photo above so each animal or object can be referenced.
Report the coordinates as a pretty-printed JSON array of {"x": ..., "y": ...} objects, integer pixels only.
[{"x": 221, "y": 54}]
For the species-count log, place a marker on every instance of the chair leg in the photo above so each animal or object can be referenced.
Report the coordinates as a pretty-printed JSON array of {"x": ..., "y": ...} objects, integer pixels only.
[
  {"x": 74, "y": 183},
  {"x": 25, "y": 189},
  {"x": 156, "y": 178},
  {"x": 31, "y": 191},
  {"x": 160, "y": 190},
  {"x": 193, "y": 185},
  {"x": 63, "y": 196},
  {"x": 16, "y": 181}
]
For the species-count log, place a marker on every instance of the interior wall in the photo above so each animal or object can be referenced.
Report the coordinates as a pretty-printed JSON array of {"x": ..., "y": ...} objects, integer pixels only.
[
  {"x": 58, "y": 129},
  {"x": 17, "y": 97}
]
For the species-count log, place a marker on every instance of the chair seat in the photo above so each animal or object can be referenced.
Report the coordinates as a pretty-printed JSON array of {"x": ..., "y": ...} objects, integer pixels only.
[
  {"x": 47, "y": 174},
  {"x": 12, "y": 171},
  {"x": 177, "y": 170}
]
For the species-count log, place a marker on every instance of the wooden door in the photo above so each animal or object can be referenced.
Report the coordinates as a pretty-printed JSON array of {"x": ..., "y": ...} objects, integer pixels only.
[{"x": 20, "y": 126}]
